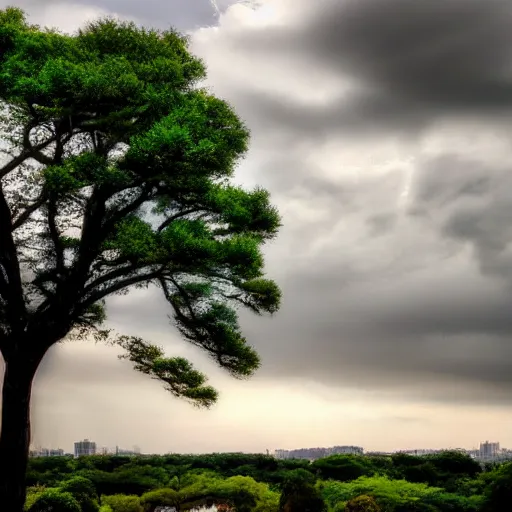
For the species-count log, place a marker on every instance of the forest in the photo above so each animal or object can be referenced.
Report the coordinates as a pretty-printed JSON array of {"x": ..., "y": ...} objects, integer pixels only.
[{"x": 446, "y": 482}]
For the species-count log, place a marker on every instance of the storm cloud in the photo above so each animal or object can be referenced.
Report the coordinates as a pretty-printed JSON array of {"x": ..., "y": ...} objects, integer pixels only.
[
  {"x": 382, "y": 129},
  {"x": 400, "y": 271}
]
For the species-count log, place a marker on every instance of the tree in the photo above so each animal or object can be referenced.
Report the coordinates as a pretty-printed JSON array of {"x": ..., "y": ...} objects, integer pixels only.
[
  {"x": 343, "y": 467},
  {"x": 498, "y": 493},
  {"x": 83, "y": 490},
  {"x": 159, "y": 498},
  {"x": 122, "y": 503},
  {"x": 299, "y": 494},
  {"x": 116, "y": 175},
  {"x": 56, "y": 501},
  {"x": 362, "y": 503}
]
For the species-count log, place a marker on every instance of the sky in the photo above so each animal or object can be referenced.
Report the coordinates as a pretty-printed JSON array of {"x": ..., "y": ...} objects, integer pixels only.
[{"x": 382, "y": 129}]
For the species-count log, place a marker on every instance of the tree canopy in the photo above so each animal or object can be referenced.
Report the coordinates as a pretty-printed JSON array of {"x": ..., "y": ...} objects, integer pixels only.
[
  {"x": 116, "y": 174},
  {"x": 228, "y": 479}
]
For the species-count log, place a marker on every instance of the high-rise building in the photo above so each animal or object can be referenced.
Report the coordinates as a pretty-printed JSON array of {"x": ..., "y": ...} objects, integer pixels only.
[
  {"x": 134, "y": 451},
  {"x": 85, "y": 447},
  {"x": 317, "y": 453},
  {"x": 46, "y": 452},
  {"x": 489, "y": 450}
]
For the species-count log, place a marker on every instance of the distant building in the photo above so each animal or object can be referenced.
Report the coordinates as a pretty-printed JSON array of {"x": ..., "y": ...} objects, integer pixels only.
[
  {"x": 45, "y": 452},
  {"x": 419, "y": 452},
  {"x": 339, "y": 450},
  {"x": 134, "y": 451},
  {"x": 430, "y": 451},
  {"x": 85, "y": 447},
  {"x": 489, "y": 450},
  {"x": 317, "y": 453}
]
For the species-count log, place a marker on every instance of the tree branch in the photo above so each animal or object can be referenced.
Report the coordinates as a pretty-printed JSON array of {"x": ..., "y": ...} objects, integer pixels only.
[
  {"x": 119, "y": 272},
  {"x": 55, "y": 237},
  {"x": 183, "y": 293},
  {"x": 29, "y": 210},
  {"x": 28, "y": 151},
  {"x": 108, "y": 225},
  {"x": 4, "y": 283},
  {"x": 171, "y": 219},
  {"x": 13, "y": 288},
  {"x": 120, "y": 285}
]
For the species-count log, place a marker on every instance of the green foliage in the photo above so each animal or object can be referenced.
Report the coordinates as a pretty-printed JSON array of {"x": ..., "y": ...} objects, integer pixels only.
[
  {"x": 343, "y": 467},
  {"x": 362, "y": 503},
  {"x": 54, "y": 500},
  {"x": 122, "y": 503},
  {"x": 136, "y": 160},
  {"x": 79, "y": 485},
  {"x": 159, "y": 498},
  {"x": 299, "y": 494},
  {"x": 263, "y": 484},
  {"x": 178, "y": 374},
  {"x": 498, "y": 492},
  {"x": 83, "y": 490},
  {"x": 396, "y": 495},
  {"x": 127, "y": 479},
  {"x": 33, "y": 493}
]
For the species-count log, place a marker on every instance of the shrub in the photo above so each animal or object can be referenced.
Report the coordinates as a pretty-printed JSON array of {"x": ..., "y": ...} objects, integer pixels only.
[
  {"x": 56, "y": 501},
  {"x": 159, "y": 498},
  {"x": 79, "y": 485},
  {"x": 363, "y": 503},
  {"x": 83, "y": 491},
  {"x": 122, "y": 503}
]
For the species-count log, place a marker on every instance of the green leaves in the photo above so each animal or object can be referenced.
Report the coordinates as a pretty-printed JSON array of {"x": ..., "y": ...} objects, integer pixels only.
[
  {"x": 135, "y": 240},
  {"x": 160, "y": 498},
  {"x": 131, "y": 188},
  {"x": 54, "y": 499},
  {"x": 177, "y": 373},
  {"x": 189, "y": 242},
  {"x": 244, "y": 211},
  {"x": 211, "y": 325},
  {"x": 260, "y": 295},
  {"x": 200, "y": 137}
]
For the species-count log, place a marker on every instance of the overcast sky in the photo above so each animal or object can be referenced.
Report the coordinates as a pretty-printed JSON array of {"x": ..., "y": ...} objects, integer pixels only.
[{"x": 383, "y": 130}]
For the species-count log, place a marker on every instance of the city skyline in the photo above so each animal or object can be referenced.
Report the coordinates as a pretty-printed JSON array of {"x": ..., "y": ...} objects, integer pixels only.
[{"x": 487, "y": 449}]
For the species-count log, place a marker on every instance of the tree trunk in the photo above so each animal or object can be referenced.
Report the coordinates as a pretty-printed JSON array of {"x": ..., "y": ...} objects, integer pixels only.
[{"x": 19, "y": 373}]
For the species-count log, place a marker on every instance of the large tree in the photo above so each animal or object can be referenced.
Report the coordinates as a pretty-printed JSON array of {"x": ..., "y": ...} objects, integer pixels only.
[{"x": 116, "y": 174}]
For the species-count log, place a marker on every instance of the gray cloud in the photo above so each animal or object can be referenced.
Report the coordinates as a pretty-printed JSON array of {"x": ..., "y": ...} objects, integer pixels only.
[
  {"x": 399, "y": 279},
  {"x": 182, "y": 14},
  {"x": 380, "y": 127},
  {"x": 470, "y": 201},
  {"x": 400, "y": 65}
]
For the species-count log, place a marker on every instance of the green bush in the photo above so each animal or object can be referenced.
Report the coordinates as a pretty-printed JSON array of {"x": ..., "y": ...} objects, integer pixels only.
[
  {"x": 54, "y": 500},
  {"x": 159, "y": 498},
  {"x": 83, "y": 491},
  {"x": 32, "y": 494},
  {"x": 79, "y": 485},
  {"x": 122, "y": 503},
  {"x": 299, "y": 494},
  {"x": 362, "y": 503}
]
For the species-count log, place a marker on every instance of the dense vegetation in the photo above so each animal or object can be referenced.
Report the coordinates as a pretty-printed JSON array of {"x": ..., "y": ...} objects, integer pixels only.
[{"x": 445, "y": 482}]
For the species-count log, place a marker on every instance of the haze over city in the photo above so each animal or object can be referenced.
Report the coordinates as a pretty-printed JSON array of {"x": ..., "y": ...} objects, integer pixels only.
[{"x": 382, "y": 131}]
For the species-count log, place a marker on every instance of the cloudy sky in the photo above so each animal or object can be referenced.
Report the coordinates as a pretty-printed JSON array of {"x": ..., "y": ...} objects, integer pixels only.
[{"x": 383, "y": 130}]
